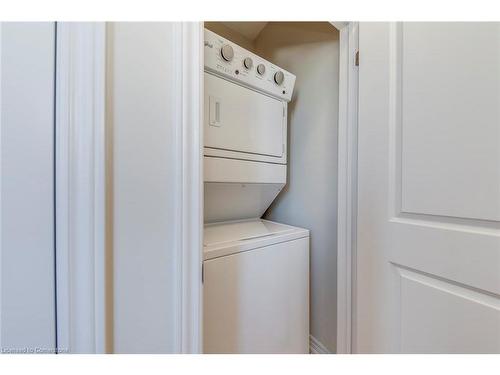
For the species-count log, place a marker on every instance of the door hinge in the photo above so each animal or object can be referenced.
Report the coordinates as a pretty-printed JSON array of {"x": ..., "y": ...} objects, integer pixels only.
[
  {"x": 356, "y": 58},
  {"x": 202, "y": 273}
]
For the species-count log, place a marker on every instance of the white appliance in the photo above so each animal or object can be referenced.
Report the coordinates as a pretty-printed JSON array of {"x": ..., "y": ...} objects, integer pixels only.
[
  {"x": 256, "y": 288},
  {"x": 255, "y": 272}
]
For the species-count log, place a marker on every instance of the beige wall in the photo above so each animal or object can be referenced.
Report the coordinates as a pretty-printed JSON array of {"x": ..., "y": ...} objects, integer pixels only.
[
  {"x": 235, "y": 37},
  {"x": 310, "y": 51}
]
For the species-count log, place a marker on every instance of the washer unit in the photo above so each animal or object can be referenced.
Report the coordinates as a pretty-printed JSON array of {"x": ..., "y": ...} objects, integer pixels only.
[
  {"x": 255, "y": 272},
  {"x": 256, "y": 288}
]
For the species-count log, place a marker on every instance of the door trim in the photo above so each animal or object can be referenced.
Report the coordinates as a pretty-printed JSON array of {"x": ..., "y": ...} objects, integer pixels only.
[
  {"x": 190, "y": 36},
  {"x": 347, "y": 183},
  {"x": 80, "y": 188}
]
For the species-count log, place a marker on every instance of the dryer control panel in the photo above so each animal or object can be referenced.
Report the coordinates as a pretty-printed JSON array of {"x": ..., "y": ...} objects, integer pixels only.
[{"x": 227, "y": 59}]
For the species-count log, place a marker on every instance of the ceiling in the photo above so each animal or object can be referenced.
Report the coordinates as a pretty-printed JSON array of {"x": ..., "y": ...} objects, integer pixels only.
[{"x": 249, "y": 30}]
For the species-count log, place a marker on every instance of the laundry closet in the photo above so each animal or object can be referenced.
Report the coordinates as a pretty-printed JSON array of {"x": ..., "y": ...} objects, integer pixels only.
[{"x": 270, "y": 186}]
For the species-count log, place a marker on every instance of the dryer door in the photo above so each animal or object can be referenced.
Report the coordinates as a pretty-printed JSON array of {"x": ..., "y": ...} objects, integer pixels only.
[{"x": 238, "y": 119}]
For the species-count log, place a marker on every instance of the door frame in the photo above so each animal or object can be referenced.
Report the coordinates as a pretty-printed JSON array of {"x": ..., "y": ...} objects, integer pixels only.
[
  {"x": 80, "y": 164},
  {"x": 190, "y": 36},
  {"x": 347, "y": 184}
]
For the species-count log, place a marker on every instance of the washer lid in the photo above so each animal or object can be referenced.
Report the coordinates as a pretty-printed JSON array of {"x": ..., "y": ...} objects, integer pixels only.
[{"x": 231, "y": 237}]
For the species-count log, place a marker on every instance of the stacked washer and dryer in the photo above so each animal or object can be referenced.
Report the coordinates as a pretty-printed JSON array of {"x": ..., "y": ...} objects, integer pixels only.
[{"x": 255, "y": 272}]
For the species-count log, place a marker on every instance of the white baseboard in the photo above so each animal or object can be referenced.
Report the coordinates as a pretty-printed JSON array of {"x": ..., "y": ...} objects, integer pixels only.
[{"x": 316, "y": 347}]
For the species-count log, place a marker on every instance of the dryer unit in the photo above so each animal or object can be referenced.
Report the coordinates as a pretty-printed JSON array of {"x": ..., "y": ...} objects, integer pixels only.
[
  {"x": 256, "y": 273},
  {"x": 245, "y": 130}
]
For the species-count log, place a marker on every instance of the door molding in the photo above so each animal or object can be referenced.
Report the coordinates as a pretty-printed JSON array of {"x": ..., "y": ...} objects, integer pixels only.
[
  {"x": 347, "y": 183},
  {"x": 80, "y": 188},
  {"x": 190, "y": 189}
]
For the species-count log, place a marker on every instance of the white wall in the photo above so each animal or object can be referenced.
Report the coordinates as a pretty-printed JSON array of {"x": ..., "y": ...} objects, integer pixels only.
[
  {"x": 27, "y": 285},
  {"x": 310, "y": 50},
  {"x": 141, "y": 103}
]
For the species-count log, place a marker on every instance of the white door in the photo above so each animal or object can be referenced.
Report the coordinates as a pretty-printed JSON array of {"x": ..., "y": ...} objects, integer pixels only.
[
  {"x": 27, "y": 285},
  {"x": 428, "y": 242}
]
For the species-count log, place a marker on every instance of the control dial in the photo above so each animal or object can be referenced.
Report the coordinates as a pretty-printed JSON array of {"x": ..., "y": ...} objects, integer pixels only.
[
  {"x": 261, "y": 69},
  {"x": 279, "y": 77},
  {"x": 227, "y": 52},
  {"x": 248, "y": 62}
]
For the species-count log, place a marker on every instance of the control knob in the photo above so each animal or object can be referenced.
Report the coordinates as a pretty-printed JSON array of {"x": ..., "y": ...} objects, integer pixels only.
[
  {"x": 248, "y": 62},
  {"x": 279, "y": 77},
  {"x": 261, "y": 69},
  {"x": 227, "y": 52}
]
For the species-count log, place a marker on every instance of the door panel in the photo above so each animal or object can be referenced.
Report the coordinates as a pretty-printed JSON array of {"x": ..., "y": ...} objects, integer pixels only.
[
  {"x": 439, "y": 316},
  {"x": 240, "y": 119},
  {"x": 428, "y": 242},
  {"x": 27, "y": 305},
  {"x": 449, "y": 86}
]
